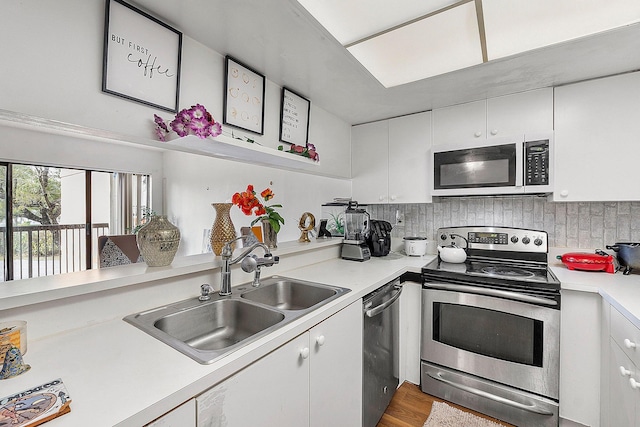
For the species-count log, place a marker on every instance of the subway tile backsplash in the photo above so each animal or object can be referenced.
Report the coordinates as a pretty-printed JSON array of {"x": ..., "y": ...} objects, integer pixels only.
[{"x": 587, "y": 225}]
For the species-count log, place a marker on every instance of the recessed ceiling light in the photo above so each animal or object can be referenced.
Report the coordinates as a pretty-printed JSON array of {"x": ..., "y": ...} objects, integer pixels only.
[
  {"x": 438, "y": 44},
  {"x": 352, "y": 20},
  {"x": 513, "y": 27}
]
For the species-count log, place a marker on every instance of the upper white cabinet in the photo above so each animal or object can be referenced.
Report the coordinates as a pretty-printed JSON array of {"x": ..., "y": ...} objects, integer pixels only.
[
  {"x": 390, "y": 160},
  {"x": 597, "y": 127},
  {"x": 460, "y": 122},
  {"x": 517, "y": 114},
  {"x": 370, "y": 162}
]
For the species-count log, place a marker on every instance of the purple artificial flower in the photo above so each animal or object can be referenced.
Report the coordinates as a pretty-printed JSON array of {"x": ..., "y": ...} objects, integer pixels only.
[
  {"x": 198, "y": 111},
  {"x": 180, "y": 127},
  {"x": 184, "y": 116},
  {"x": 215, "y": 129},
  {"x": 201, "y": 127},
  {"x": 160, "y": 122},
  {"x": 310, "y": 146},
  {"x": 160, "y": 133}
]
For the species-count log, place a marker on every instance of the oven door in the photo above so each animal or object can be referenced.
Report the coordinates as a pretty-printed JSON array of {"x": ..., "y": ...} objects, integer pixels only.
[
  {"x": 475, "y": 168},
  {"x": 511, "y": 342}
]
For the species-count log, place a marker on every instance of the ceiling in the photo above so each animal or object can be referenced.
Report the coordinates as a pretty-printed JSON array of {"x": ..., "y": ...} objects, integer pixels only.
[{"x": 282, "y": 41}]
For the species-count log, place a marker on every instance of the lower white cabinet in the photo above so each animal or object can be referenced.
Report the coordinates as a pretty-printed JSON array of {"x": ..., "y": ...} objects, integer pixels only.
[
  {"x": 182, "y": 416},
  {"x": 313, "y": 380},
  {"x": 580, "y": 364},
  {"x": 624, "y": 400},
  {"x": 622, "y": 373}
]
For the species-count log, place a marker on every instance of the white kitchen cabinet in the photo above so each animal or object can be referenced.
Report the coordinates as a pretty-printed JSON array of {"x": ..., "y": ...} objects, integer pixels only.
[
  {"x": 580, "y": 365},
  {"x": 410, "y": 327},
  {"x": 622, "y": 398},
  {"x": 336, "y": 369},
  {"x": 596, "y": 139},
  {"x": 182, "y": 416},
  {"x": 313, "y": 380},
  {"x": 516, "y": 114},
  {"x": 370, "y": 162},
  {"x": 409, "y": 147},
  {"x": 274, "y": 391},
  {"x": 622, "y": 407},
  {"x": 390, "y": 160},
  {"x": 460, "y": 122}
]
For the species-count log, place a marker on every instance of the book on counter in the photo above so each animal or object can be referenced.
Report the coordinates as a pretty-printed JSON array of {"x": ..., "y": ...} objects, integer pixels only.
[{"x": 35, "y": 406}]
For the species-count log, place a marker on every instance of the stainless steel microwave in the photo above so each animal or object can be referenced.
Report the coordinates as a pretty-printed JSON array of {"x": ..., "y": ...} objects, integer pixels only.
[{"x": 496, "y": 166}]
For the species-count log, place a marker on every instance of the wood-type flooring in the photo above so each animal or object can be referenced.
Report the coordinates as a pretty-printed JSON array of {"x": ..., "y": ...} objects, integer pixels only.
[{"x": 410, "y": 407}]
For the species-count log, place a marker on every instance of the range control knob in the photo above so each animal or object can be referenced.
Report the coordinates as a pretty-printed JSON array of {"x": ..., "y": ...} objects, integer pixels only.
[
  {"x": 526, "y": 240},
  {"x": 537, "y": 242},
  {"x": 514, "y": 239},
  {"x": 443, "y": 236}
]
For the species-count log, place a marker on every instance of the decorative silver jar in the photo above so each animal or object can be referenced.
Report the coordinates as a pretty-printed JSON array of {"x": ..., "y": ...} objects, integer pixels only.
[{"x": 158, "y": 241}]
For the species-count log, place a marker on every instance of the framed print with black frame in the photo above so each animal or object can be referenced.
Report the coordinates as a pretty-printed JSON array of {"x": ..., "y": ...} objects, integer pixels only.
[
  {"x": 141, "y": 58},
  {"x": 244, "y": 90},
  {"x": 294, "y": 118}
]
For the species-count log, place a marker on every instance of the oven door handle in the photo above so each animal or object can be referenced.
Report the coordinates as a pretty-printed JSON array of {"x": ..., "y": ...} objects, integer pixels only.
[
  {"x": 492, "y": 293},
  {"x": 529, "y": 408},
  {"x": 373, "y": 312}
]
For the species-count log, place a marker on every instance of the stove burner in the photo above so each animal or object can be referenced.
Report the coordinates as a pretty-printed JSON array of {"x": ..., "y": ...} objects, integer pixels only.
[{"x": 506, "y": 271}]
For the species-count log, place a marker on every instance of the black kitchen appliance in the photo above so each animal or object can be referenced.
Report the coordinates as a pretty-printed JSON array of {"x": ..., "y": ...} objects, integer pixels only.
[
  {"x": 491, "y": 326},
  {"x": 628, "y": 255},
  {"x": 379, "y": 238}
]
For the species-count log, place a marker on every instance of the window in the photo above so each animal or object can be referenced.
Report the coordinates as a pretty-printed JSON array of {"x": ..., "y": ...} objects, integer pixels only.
[{"x": 51, "y": 217}]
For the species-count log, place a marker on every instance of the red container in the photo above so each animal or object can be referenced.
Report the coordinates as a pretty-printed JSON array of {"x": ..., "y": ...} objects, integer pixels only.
[{"x": 588, "y": 261}]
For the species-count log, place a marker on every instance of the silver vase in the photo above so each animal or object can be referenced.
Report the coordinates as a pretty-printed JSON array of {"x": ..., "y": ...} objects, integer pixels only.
[{"x": 158, "y": 241}]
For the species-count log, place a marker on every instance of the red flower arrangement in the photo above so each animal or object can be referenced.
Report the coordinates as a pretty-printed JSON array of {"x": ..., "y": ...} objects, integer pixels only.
[{"x": 249, "y": 204}]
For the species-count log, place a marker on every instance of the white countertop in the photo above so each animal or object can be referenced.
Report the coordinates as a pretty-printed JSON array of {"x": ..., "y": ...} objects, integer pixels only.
[
  {"x": 119, "y": 375},
  {"x": 623, "y": 292}
]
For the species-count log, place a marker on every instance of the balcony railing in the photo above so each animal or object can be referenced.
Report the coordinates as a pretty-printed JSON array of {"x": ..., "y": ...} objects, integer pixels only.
[{"x": 45, "y": 250}]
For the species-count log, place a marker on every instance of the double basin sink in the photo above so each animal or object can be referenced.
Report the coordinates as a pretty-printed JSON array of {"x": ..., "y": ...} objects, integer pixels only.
[{"x": 209, "y": 330}]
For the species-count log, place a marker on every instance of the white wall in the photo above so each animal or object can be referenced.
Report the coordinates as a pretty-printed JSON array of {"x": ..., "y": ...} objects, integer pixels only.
[
  {"x": 52, "y": 68},
  {"x": 193, "y": 183}
]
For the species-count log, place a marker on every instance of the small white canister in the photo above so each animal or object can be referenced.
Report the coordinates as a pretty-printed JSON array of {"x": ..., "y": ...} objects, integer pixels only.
[{"x": 415, "y": 246}]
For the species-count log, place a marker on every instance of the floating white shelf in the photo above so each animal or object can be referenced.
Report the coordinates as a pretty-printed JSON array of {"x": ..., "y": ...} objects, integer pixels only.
[
  {"x": 235, "y": 149},
  {"x": 222, "y": 147}
]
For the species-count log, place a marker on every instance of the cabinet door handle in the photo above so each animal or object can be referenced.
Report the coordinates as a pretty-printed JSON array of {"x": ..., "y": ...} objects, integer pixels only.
[
  {"x": 304, "y": 353},
  {"x": 628, "y": 343},
  {"x": 634, "y": 384},
  {"x": 320, "y": 340},
  {"x": 478, "y": 134},
  {"x": 494, "y": 131},
  {"x": 624, "y": 372}
]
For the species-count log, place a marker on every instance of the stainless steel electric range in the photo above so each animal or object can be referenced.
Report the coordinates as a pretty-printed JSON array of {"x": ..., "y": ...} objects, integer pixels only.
[{"x": 491, "y": 326}]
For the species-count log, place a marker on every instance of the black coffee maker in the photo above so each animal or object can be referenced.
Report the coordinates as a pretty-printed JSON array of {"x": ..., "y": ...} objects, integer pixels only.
[{"x": 379, "y": 238}]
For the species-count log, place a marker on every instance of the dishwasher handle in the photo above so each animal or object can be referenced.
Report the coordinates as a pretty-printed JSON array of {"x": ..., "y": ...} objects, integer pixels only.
[{"x": 372, "y": 312}]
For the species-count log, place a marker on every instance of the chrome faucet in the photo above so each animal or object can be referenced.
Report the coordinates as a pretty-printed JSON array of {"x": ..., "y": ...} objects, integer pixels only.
[{"x": 248, "y": 266}]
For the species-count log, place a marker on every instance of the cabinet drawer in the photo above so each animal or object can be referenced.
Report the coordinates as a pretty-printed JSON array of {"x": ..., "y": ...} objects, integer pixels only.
[{"x": 626, "y": 335}]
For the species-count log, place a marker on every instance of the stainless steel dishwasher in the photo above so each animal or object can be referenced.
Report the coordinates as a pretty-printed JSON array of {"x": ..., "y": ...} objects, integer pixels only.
[{"x": 380, "y": 358}]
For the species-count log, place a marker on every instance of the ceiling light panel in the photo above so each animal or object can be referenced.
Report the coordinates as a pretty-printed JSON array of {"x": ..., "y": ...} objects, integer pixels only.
[
  {"x": 352, "y": 20},
  {"x": 515, "y": 26},
  {"x": 438, "y": 44}
]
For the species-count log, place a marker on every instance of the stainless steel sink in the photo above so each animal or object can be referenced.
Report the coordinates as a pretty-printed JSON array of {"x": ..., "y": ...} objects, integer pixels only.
[
  {"x": 288, "y": 294},
  {"x": 209, "y": 330},
  {"x": 218, "y": 325}
]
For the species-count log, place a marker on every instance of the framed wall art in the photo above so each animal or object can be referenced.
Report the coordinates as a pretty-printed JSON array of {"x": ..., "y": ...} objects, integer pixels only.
[
  {"x": 294, "y": 118},
  {"x": 141, "y": 58},
  {"x": 244, "y": 90}
]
